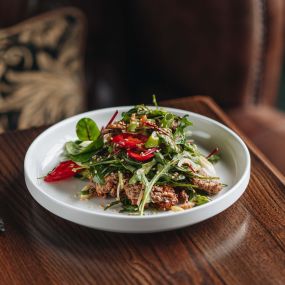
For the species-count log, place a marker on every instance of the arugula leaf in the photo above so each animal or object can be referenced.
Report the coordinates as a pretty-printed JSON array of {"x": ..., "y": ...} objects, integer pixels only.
[
  {"x": 140, "y": 110},
  {"x": 180, "y": 135},
  {"x": 159, "y": 157},
  {"x": 154, "y": 101},
  {"x": 186, "y": 185},
  {"x": 146, "y": 167},
  {"x": 214, "y": 158},
  {"x": 87, "y": 130},
  {"x": 185, "y": 122},
  {"x": 150, "y": 184},
  {"x": 116, "y": 202},
  {"x": 98, "y": 176},
  {"x": 86, "y": 192},
  {"x": 128, "y": 207},
  {"x": 131, "y": 162},
  {"x": 169, "y": 143},
  {"x": 128, "y": 167},
  {"x": 192, "y": 148},
  {"x": 107, "y": 162},
  {"x": 167, "y": 121}
]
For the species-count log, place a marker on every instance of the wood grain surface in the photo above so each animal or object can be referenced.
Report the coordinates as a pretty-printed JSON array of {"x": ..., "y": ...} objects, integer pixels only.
[{"x": 242, "y": 245}]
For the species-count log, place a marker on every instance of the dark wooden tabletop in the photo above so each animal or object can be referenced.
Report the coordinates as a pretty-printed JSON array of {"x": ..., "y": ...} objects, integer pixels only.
[{"x": 242, "y": 245}]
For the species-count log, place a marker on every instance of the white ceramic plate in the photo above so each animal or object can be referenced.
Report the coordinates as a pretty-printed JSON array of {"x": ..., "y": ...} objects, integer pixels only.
[{"x": 60, "y": 197}]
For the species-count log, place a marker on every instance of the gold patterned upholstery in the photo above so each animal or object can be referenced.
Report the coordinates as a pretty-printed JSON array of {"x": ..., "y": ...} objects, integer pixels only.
[{"x": 41, "y": 70}]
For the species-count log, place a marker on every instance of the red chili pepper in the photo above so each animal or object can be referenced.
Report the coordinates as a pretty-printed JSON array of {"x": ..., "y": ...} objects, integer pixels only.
[
  {"x": 129, "y": 140},
  {"x": 142, "y": 156},
  {"x": 64, "y": 170}
]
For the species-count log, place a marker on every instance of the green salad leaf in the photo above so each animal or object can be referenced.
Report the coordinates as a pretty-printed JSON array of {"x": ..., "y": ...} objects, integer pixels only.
[
  {"x": 80, "y": 151},
  {"x": 87, "y": 130}
]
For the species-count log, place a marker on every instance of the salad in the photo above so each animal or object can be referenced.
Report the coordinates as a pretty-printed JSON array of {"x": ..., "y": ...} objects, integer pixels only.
[{"x": 144, "y": 160}]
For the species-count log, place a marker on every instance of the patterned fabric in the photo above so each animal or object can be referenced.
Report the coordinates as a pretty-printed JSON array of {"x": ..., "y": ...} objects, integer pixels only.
[{"x": 41, "y": 75}]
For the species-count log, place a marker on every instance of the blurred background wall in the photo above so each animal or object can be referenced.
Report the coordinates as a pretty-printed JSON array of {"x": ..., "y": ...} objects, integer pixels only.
[{"x": 172, "y": 48}]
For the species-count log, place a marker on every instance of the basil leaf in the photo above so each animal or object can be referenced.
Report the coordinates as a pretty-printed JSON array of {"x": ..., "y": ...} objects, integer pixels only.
[
  {"x": 72, "y": 148},
  {"x": 95, "y": 145},
  {"x": 80, "y": 157},
  {"x": 75, "y": 148},
  {"x": 87, "y": 130},
  {"x": 79, "y": 152}
]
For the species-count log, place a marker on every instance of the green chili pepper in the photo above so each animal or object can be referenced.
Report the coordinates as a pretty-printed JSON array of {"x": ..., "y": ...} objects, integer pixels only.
[
  {"x": 152, "y": 141},
  {"x": 132, "y": 126}
]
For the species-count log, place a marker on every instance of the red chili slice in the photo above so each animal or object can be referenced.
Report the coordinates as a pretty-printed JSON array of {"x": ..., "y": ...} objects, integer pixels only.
[
  {"x": 214, "y": 151},
  {"x": 64, "y": 170},
  {"x": 142, "y": 156},
  {"x": 129, "y": 141}
]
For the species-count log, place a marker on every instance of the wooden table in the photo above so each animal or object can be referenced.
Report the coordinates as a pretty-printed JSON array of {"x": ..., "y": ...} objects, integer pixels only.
[{"x": 243, "y": 245}]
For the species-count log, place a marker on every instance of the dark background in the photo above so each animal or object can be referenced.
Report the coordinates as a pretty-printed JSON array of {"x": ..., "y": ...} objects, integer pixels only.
[{"x": 123, "y": 64}]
